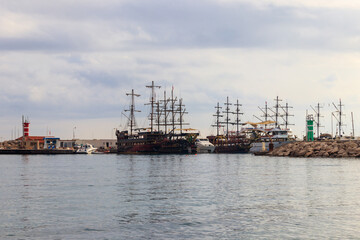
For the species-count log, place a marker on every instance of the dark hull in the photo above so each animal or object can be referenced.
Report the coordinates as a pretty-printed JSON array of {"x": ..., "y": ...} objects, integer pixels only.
[
  {"x": 178, "y": 146},
  {"x": 140, "y": 149},
  {"x": 232, "y": 149},
  {"x": 165, "y": 147}
]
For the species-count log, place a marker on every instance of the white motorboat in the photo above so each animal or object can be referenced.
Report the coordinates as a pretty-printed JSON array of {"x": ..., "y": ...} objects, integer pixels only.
[
  {"x": 86, "y": 149},
  {"x": 204, "y": 146}
]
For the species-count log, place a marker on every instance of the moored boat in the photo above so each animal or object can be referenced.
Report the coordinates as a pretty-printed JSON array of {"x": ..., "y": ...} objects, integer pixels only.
[
  {"x": 203, "y": 145},
  {"x": 85, "y": 149},
  {"x": 161, "y": 137}
]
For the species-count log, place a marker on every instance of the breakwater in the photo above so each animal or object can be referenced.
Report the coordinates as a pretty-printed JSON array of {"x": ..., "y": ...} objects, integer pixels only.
[{"x": 332, "y": 149}]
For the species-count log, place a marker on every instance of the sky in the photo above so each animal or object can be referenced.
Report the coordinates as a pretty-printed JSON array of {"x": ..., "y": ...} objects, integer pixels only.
[{"x": 68, "y": 65}]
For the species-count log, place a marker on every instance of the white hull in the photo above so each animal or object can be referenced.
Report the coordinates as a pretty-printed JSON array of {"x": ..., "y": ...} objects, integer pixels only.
[
  {"x": 86, "y": 149},
  {"x": 204, "y": 146},
  {"x": 205, "y": 149}
]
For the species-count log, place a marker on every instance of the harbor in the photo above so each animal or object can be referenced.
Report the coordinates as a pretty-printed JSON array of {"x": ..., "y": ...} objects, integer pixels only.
[
  {"x": 169, "y": 133},
  {"x": 184, "y": 120}
]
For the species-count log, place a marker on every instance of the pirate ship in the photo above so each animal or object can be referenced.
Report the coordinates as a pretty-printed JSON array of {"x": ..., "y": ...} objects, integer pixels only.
[
  {"x": 230, "y": 141},
  {"x": 166, "y": 133}
]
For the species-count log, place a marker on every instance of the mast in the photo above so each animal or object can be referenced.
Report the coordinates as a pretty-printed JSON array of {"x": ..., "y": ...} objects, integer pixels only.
[
  {"x": 227, "y": 119},
  {"x": 266, "y": 114},
  {"x": 237, "y": 112},
  {"x": 173, "y": 100},
  {"x": 277, "y": 106},
  {"x": 352, "y": 121},
  {"x": 132, "y": 110},
  {"x": 287, "y": 115},
  {"x": 218, "y": 123},
  {"x": 182, "y": 111},
  {"x": 152, "y": 102},
  {"x": 166, "y": 112},
  {"x": 318, "y": 116},
  {"x": 340, "y": 113},
  {"x": 158, "y": 114}
]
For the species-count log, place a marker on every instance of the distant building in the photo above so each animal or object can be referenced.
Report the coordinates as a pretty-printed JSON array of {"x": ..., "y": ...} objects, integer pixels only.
[{"x": 97, "y": 143}]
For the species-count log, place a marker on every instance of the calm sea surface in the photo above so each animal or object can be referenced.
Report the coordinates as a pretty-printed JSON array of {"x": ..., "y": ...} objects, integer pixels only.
[{"x": 178, "y": 197}]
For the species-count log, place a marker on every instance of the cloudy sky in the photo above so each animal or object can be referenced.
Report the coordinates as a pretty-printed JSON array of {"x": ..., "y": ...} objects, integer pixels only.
[{"x": 68, "y": 64}]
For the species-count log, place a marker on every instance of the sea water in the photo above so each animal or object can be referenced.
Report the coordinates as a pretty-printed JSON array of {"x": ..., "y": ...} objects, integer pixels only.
[{"x": 204, "y": 196}]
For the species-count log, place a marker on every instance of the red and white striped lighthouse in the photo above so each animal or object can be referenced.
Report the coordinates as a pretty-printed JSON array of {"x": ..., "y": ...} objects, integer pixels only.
[{"x": 26, "y": 124}]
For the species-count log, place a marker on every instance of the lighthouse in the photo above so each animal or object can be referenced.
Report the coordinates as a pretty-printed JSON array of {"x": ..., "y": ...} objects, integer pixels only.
[{"x": 25, "y": 123}]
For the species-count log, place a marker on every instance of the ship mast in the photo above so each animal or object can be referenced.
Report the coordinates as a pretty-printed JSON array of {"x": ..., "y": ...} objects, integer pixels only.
[
  {"x": 317, "y": 121},
  {"x": 132, "y": 110},
  {"x": 287, "y": 115},
  {"x": 265, "y": 115},
  {"x": 277, "y": 114},
  {"x": 158, "y": 115},
  {"x": 181, "y": 111},
  {"x": 165, "y": 102},
  {"x": 173, "y": 110},
  {"x": 227, "y": 119},
  {"x": 340, "y": 113},
  {"x": 218, "y": 123},
  {"x": 237, "y": 112},
  {"x": 152, "y": 102}
]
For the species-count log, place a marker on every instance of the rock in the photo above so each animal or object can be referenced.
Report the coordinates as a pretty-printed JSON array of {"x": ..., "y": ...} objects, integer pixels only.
[
  {"x": 325, "y": 154},
  {"x": 308, "y": 154}
]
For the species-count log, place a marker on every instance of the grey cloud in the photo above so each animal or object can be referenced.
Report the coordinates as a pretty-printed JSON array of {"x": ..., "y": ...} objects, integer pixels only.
[{"x": 185, "y": 24}]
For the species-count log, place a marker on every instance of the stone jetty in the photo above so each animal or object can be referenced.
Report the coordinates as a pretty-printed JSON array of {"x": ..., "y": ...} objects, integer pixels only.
[{"x": 332, "y": 149}]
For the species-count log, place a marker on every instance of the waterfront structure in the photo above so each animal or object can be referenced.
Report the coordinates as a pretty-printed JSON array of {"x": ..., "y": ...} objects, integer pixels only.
[
  {"x": 97, "y": 143},
  {"x": 310, "y": 128}
]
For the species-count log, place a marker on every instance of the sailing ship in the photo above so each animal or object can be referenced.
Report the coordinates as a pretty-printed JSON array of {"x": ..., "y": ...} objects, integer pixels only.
[
  {"x": 271, "y": 130},
  {"x": 230, "y": 141},
  {"x": 162, "y": 137}
]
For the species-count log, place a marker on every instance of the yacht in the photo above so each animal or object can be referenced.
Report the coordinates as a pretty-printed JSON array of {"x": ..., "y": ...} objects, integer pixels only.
[
  {"x": 86, "y": 149},
  {"x": 204, "y": 146}
]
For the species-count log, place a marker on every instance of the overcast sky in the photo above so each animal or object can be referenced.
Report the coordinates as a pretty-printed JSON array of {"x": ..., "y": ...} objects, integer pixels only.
[{"x": 69, "y": 64}]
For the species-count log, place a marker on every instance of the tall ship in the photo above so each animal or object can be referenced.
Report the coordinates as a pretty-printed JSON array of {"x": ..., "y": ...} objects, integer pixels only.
[
  {"x": 165, "y": 135},
  {"x": 273, "y": 129},
  {"x": 229, "y": 141}
]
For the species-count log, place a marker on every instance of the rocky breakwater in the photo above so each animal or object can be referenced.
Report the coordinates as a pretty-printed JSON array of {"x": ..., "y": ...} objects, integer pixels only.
[{"x": 333, "y": 149}]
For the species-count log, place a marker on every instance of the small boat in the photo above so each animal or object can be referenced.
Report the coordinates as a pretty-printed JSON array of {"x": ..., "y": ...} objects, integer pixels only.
[
  {"x": 86, "y": 149},
  {"x": 203, "y": 145}
]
